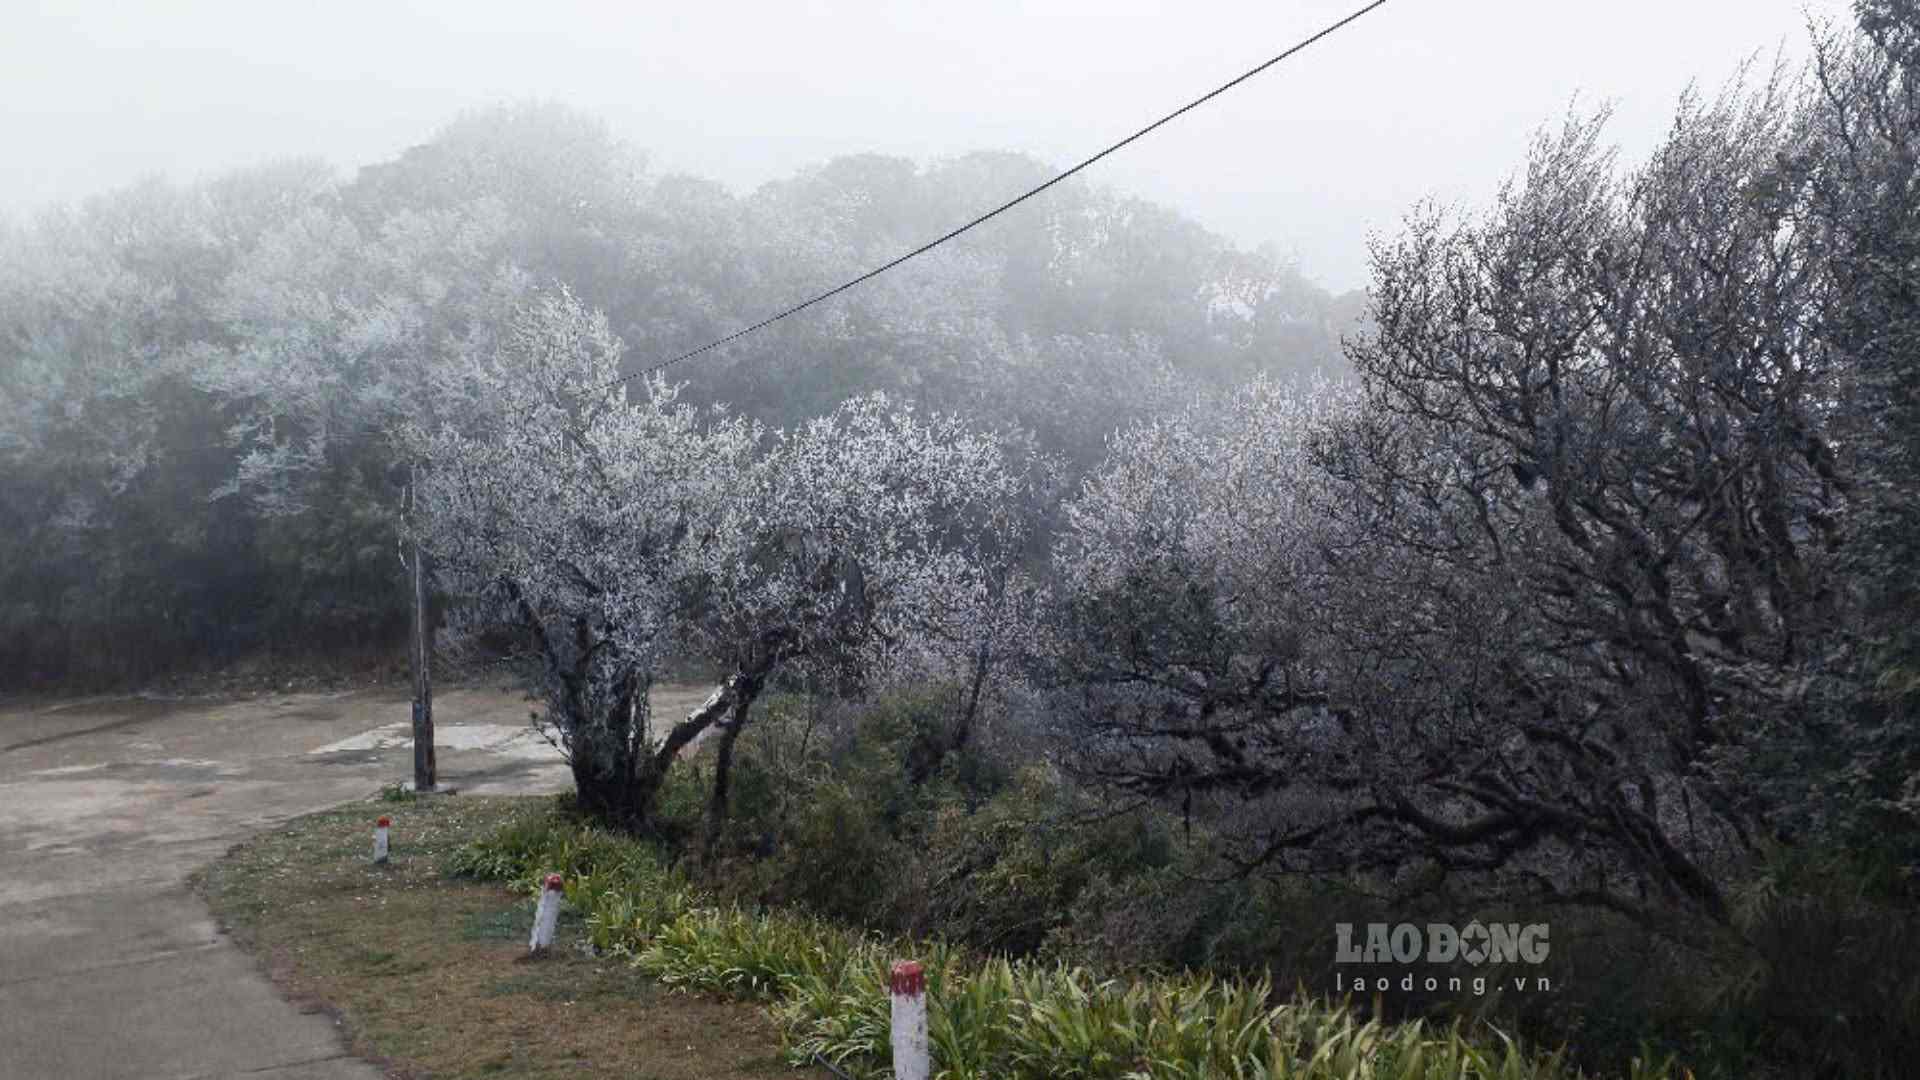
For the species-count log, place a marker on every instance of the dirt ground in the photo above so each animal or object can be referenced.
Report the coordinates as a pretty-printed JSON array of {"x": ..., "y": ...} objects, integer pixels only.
[
  {"x": 109, "y": 966},
  {"x": 431, "y": 975}
]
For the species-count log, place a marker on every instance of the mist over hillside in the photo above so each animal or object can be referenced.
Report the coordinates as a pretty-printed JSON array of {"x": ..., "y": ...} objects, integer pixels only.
[{"x": 145, "y": 327}]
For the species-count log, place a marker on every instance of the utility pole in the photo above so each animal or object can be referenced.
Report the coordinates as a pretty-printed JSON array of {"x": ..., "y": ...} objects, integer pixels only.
[{"x": 424, "y": 773}]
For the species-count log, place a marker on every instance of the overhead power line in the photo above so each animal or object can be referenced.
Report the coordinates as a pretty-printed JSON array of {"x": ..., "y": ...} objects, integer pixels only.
[{"x": 1010, "y": 203}]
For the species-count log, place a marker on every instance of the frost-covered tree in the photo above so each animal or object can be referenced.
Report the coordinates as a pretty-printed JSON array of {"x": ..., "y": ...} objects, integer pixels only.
[
  {"x": 1193, "y": 638},
  {"x": 334, "y": 339},
  {"x": 573, "y": 517},
  {"x": 107, "y": 448},
  {"x": 1543, "y": 616},
  {"x": 605, "y": 529},
  {"x": 858, "y": 536},
  {"x": 1861, "y": 180},
  {"x": 1068, "y": 319}
]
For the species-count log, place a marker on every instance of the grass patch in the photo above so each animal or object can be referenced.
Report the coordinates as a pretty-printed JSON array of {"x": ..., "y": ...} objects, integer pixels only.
[
  {"x": 429, "y": 975},
  {"x": 506, "y": 924},
  {"x": 990, "y": 1018}
]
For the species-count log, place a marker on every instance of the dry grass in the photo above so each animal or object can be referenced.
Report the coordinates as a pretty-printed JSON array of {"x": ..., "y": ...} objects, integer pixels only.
[{"x": 429, "y": 976}]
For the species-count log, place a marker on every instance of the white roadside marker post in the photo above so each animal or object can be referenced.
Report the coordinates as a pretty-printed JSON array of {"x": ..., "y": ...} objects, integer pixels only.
[
  {"x": 548, "y": 913},
  {"x": 380, "y": 839},
  {"x": 909, "y": 985}
]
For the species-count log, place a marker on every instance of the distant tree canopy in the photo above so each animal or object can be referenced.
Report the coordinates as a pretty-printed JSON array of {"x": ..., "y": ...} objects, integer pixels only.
[{"x": 198, "y": 384}]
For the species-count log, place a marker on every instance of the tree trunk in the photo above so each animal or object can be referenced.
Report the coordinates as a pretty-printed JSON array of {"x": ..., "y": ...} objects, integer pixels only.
[
  {"x": 425, "y": 772},
  {"x": 611, "y": 776},
  {"x": 612, "y": 792},
  {"x": 723, "y": 766},
  {"x": 963, "y": 731},
  {"x": 622, "y": 792},
  {"x": 925, "y": 755}
]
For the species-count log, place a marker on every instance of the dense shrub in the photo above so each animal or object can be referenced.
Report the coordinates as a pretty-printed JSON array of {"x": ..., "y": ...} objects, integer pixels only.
[{"x": 860, "y": 814}]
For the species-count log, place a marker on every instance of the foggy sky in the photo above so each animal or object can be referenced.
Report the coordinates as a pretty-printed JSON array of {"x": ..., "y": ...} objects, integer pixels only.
[{"x": 1421, "y": 98}]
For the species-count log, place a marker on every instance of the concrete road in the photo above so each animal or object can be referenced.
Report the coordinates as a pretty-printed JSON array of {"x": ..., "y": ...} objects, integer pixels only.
[{"x": 109, "y": 966}]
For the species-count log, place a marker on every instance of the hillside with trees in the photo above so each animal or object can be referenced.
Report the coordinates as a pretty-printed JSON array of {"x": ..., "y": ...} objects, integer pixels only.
[
  {"x": 199, "y": 385},
  {"x": 1129, "y": 598}
]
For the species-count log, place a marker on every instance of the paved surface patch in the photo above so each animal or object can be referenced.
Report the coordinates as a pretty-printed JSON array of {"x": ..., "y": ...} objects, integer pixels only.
[{"x": 109, "y": 965}]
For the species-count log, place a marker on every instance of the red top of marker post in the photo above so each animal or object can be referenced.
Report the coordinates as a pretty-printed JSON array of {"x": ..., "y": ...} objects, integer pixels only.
[
  {"x": 555, "y": 883},
  {"x": 383, "y": 822},
  {"x": 908, "y": 979}
]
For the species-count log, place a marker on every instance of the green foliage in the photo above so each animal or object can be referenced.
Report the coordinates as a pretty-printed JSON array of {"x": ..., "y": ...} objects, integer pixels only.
[
  {"x": 552, "y": 840},
  {"x": 743, "y": 954},
  {"x": 989, "y": 1015},
  {"x": 1831, "y": 983},
  {"x": 1008, "y": 874},
  {"x": 976, "y": 850},
  {"x": 1033, "y": 888},
  {"x": 616, "y": 884},
  {"x": 1002, "y": 1018}
]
